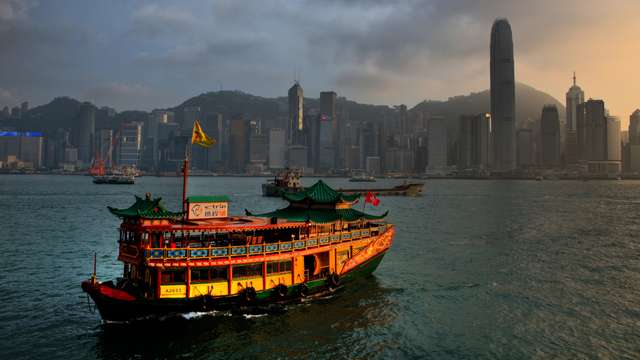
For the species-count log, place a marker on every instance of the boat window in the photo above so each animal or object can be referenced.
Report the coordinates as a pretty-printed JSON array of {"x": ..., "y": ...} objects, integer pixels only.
[
  {"x": 278, "y": 266},
  {"x": 250, "y": 270},
  {"x": 173, "y": 276},
  {"x": 209, "y": 274}
]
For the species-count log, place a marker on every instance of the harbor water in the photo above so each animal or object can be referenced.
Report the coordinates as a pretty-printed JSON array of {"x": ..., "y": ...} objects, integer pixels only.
[{"x": 478, "y": 269}]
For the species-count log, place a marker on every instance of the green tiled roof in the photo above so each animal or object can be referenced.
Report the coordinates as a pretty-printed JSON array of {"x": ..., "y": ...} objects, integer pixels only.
[
  {"x": 319, "y": 215},
  {"x": 216, "y": 198},
  {"x": 145, "y": 208},
  {"x": 319, "y": 193}
]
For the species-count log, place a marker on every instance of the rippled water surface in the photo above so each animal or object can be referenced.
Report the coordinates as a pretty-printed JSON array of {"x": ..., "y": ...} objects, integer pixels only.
[{"x": 479, "y": 269}]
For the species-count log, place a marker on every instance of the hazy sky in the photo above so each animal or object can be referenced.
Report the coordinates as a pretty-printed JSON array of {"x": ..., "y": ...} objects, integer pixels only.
[{"x": 141, "y": 55}]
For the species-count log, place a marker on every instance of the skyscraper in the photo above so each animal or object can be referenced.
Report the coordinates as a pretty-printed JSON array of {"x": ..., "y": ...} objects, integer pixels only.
[
  {"x": 327, "y": 132},
  {"x": 614, "y": 147},
  {"x": 550, "y": 137},
  {"x": 575, "y": 97},
  {"x": 503, "y": 102},
  {"x": 130, "y": 144},
  {"x": 473, "y": 141},
  {"x": 296, "y": 110},
  {"x": 85, "y": 133},
  {"x": 437, "y": 144},
  {"x": 634, "y": 128},
  {"x": 239, "y": 130},
  {"x": 591, "y": 123}
]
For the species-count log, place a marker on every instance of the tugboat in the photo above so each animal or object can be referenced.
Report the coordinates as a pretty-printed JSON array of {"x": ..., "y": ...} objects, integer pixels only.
[
  {"x": 203, "y": 259},
  {"x": 286, "y": 181}
]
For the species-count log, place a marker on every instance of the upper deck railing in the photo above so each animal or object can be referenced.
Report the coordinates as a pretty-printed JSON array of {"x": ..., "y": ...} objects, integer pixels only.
[{"x": 216, "y": 252}]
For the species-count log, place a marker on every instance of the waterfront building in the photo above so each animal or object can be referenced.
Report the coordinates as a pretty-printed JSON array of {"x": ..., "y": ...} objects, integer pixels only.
[
  {"x": 277, "y": 148},
  {"x": 24, "y": 149},
  {"x": 31, "y": 149},
  {"x": 525, "y": 148},
  {"x": 104, "y": 146},
  {"x": 591, "y": 123},
  {"x": 85, "y": 132},
  {"x": 473, "y": 141},
  {"x": 239, "y": 131},
  {"x": 634, "y": 128},
  {"x": 437, "y": 144},
  {"x": 129, "y": 144},
  {"x": 15, "y": 112},
  {"x": 71, "y": 155},
  {"x": 214, "y": 127},
  {"x": 258, "y": 149},
  {"x": 298, "y": 156},
  {"x": 296, "y": 115},
  {"x": 327, "y": 132},
  {"x": 24, "y": 107},
  {"x": 550, "y": 137},
  {"x": 502, "y": 96},
  {"x": 368, "y": 134},
  {"x": 614, "y": 147},
  {"x": 574, "y": 97},
  {"x": 189, "y": 116},
  {"x": 373, "y": 165}
]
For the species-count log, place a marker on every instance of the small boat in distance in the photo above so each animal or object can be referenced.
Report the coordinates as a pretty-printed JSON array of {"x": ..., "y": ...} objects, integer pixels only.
[
  {"x": 406, "y": 189},
  {"x": 361, "y": 176},
  {"x": 285, "y": 181},
  {"x": 122, "y": 176}
]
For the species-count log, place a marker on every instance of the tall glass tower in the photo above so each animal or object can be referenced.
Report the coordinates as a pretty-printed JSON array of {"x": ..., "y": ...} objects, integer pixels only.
[{"x": 503, "y": 102}]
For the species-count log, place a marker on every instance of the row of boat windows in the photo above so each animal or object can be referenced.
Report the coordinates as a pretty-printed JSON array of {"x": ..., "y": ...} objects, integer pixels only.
[
  {"x": 220, "y": 273},
  {"x": 217, "y": 239}
]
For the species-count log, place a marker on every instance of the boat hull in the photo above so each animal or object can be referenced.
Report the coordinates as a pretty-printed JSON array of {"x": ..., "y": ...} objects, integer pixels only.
[
  {"x": 272, "y": 190},
  {"x": 117, "y": 309}
]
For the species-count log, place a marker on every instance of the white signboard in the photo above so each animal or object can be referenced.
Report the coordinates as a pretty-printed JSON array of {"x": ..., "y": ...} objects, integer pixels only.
[{"x": 207, "y": 210}]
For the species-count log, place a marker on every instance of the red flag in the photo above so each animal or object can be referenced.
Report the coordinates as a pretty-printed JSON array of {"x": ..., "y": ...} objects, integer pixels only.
[
  {"x": 372, "y": 199},
  {"x": 369, "y": 198}
]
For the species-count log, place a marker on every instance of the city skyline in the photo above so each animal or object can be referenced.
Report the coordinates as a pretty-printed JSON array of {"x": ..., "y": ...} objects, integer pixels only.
[{"x": 142, "y": 56}]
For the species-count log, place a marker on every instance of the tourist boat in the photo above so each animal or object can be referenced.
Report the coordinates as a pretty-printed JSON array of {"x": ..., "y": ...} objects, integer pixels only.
[
  {"x": 202, "y": 259},
  {"x": 285, "y": 181}
]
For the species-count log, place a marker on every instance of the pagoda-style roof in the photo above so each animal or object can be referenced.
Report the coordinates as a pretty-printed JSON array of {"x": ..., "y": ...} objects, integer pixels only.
[
  {"x": 319, "y": 203},
  {"x": 319, "y": 215},
  {"x": 319, "y": 193},
  {"x": 146, "y": 208}
]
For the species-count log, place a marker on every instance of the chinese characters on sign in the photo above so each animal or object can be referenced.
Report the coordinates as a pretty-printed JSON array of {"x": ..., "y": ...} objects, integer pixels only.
[{"x": 206, "y": 210}]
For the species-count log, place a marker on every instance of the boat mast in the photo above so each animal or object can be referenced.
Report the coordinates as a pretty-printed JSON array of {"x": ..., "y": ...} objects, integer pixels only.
[{"x": 185, "y": 176}]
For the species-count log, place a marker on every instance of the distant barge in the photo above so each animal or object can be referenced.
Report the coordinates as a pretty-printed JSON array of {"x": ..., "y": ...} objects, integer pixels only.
[{"x": 408, "y": 189}]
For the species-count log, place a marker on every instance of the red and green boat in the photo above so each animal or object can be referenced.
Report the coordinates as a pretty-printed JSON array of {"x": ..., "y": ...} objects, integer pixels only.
[{"x": 203, "y": 259}]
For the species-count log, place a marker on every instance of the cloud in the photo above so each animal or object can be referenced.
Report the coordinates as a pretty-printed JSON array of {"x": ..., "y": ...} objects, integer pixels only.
[
  {"x": 15, "y": 9},
  {"x": 7, "y": 98},
  {"x": 374, "y": 51},
  {"x": 155, "y": 20}
]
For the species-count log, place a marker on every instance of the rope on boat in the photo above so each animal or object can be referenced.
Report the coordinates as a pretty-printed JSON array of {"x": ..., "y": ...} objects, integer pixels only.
[{"x": 92, "y": 310}]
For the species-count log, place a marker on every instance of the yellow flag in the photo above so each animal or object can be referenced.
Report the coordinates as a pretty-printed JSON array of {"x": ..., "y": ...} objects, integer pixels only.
[{"x": 199, "y": 137}]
